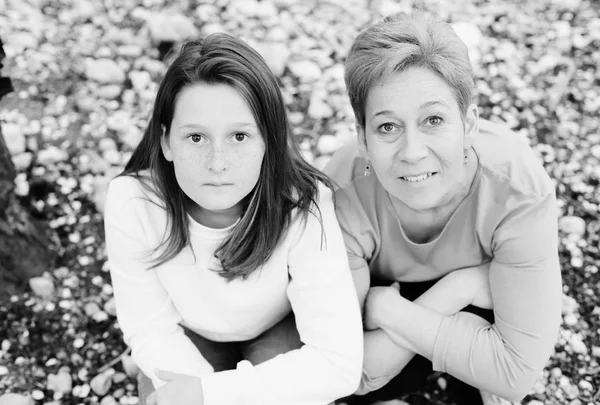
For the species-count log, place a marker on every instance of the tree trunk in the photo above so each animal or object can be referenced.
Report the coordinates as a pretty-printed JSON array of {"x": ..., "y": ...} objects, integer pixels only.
[{"x": 24, "y": 244}]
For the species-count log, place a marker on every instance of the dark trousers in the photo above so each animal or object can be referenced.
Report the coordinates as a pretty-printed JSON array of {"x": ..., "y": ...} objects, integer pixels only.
[{"x": 414, "y": 376}]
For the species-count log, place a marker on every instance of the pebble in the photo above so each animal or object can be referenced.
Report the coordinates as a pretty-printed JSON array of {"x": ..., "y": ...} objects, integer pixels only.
[
  {"x": 305, "y": 70},
  {"x": 110, "y": 307},
  {"x": 108, "y": 400},
  {"x": 109, "y": 92},
  {"x": 318, "y": 108},
  {"x": 14, "y": 138},
  {"x": 596, "y": 351},
  {"x": 102, "y": 382},
  {"x": 535, "y": 402},
  {"x": 577, "y": 344},
  {"x": 104, "y": 71},
  {"x": 276, "y": 54},
  {"x": 586, "y": 385},
  {"x": 22, "y": 161},
  {"x": 91, "y": 308},
  {"x": 37, "y": 395},
  {"x": 81, "y": 391},
  {"x": 170, "y": 28},
  {"x": 51, "y": 155},
  {"x": 16, "y": 399},
  {"x": 42, "y": 286},
  {"x": 3, "y": 370},
  {"x": 328, "y": 144},
  {"x": 129, "y": 366},
  {"x": 21, "y": 185},
  {"x": 571, "y": 224},
  {"x": 140, "y": 80}
]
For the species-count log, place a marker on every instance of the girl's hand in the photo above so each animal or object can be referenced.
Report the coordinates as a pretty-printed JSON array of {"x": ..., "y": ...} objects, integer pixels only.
[
  {"x": 180, "y": 389},
  {"x": 378, "y": 298},
  {"x": 478, "y": 280}
]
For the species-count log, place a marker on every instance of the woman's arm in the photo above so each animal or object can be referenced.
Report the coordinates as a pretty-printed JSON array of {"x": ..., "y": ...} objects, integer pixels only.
[
  {"x": 507, "y": 357},
  {"x": 146, "y": 315},
  {"x": 327, "y": 315},
  {"x": 386, "y": 357}
]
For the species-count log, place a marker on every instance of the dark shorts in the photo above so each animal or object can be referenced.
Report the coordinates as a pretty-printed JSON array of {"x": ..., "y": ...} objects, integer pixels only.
[{"x": 414, "y": 376}]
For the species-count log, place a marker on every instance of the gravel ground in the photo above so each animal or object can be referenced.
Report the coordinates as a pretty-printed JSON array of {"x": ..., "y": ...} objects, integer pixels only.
[{"x": 86, "y": 72}]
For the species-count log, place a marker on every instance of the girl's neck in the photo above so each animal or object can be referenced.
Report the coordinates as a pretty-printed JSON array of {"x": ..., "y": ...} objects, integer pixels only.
[{"x": 214, "y": 219}]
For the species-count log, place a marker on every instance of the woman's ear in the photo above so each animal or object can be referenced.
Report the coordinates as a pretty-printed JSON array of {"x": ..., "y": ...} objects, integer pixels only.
[
  {"x": 362, "y": 140},
  {"x": 164, "y": 144},
  {"x": 471, "y": 125}
]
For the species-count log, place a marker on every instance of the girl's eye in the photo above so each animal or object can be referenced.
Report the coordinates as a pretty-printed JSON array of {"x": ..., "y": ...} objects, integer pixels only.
[
  {"x": 435, "y": 121},
  {"x": 240, "y": 137},
  {"x": 196, "y": 138}
]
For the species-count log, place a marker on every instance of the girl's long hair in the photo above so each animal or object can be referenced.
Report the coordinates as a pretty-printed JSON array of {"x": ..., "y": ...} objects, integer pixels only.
[{"x": 286, "y": 183}]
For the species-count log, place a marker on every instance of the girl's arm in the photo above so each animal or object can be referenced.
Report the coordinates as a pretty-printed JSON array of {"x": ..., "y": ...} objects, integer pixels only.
[
  {"x": 323, "y": 298},
  {"x": 506, "y": 358},
  {"x": 146, "y": 315}
]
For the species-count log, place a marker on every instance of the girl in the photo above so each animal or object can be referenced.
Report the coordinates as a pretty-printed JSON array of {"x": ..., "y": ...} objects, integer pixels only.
[{"x": 224, "y": 246}]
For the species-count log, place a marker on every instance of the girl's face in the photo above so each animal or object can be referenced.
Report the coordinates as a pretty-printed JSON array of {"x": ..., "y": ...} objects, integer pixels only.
[
  {"x": 216, "y": 148},
  {"x": 416, "y": 139}
]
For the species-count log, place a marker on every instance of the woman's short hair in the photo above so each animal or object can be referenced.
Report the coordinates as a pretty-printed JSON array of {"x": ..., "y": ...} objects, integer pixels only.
[
  {"x": 399, "y": 42},
  {"x": 286, "y": 182}
]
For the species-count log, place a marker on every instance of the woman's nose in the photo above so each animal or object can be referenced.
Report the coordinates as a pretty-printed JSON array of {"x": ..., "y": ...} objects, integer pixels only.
[{"x": 413, "y": 149}]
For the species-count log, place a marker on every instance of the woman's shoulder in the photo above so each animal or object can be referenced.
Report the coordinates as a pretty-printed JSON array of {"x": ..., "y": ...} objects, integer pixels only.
[
  {"x": 346, "y": 165},
  {"x": 507, "y": 161}
]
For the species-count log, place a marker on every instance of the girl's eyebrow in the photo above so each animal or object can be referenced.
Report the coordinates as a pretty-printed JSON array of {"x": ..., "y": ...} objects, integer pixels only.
[
  {"x": 234, "y": 124},
  {"x": 432, "y": 103}
]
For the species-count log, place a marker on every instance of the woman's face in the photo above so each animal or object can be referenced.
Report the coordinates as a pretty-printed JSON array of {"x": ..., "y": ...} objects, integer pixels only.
[
  {"x": 416, "y": 139},
  {"x": 216, "y": 147}
]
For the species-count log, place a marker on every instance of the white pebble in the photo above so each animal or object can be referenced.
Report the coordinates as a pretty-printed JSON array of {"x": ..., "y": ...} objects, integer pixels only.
[
  {"x": 42, "y": 286},
  {"x": 3, "y": 370},
  {"x": 571, "y": 224},
  {"x": 14, "y": 138},
  {"x": 305, "y": 70}
]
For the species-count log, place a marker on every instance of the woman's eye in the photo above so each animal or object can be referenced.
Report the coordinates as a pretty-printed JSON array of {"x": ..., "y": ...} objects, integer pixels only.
[
  {"x": 240, "y": 137},
  {"x": 435, "y": 121},
  {"x": 196, "y": 138},
  {"x": 387, "y": 127}
]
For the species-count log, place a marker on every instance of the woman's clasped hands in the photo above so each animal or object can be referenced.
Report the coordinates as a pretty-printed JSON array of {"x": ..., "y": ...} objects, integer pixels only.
[{"x": 181, "y": 389}]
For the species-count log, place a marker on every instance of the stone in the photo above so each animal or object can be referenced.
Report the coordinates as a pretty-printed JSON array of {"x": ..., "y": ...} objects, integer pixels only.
[
  {"x": 14, "y": 138},
  {"x": 170, "y": 28},
  {"x": 109, "y": 92},
  {"x": 16, "y": 399},
  {"x": 140, "y": 80},
  {"x": 61, "y": 382},
  {"x": 305, "y": 70},
  {"x": 102, "y": 382},
  {"x": 328, "y": 144},
  {"x": 104, "y": 70},
  {"x": 129, "y": 366},
  {"x": 42, "y": 286},
  {"x": 276, "y": 54},
  {"x": 22, "y": 161},
  {"x": 51, "y": 155},
  {"x": 571, "y": 224},
  {"x": 318, "y": 108}
]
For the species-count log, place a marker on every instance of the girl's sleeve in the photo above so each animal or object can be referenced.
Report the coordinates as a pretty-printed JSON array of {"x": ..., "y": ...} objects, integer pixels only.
[
  {"x": 506, "y": 358},
  {"x": 146, "y": 315},
  {"x": 323, "y": 298}
]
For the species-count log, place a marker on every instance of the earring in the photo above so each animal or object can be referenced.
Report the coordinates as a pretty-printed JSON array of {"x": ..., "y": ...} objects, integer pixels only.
[
  {"x": 466, "y": 159},
  {"x": 367, "y": 168}
]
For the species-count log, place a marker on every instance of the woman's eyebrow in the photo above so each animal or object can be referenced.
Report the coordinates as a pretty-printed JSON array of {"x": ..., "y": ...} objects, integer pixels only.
[{"x": 433, "y": 103}]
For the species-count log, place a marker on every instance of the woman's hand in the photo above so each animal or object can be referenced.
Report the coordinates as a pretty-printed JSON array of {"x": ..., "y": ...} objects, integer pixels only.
[
  {"x": 180, "y": 389},
  {"x": 377, "y": 300}
]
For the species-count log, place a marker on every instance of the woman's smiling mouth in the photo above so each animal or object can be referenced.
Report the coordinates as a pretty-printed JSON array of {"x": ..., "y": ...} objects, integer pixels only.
[{"x": 418, "y": 178}]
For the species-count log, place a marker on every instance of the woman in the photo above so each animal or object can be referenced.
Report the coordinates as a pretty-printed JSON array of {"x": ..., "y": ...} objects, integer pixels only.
[
  {"x": 429, "y": 189},
  {"x": 229, "y": 268}
]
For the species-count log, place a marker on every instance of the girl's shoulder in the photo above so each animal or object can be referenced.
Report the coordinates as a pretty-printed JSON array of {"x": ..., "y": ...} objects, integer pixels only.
[{"x": 129, "y": 188}]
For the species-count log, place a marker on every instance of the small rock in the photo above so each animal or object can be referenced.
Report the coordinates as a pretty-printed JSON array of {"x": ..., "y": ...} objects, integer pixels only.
[
  {"x": 107, "y": 144},
  {"x": 109, "y": 92},
  {"x": 318, "y": 108},
  {"x": 276, "y": 54},
  {"x": 577, "y": 344},
  {"x": 129, "y": 366},
  {"x": 108, "y": 400},
  {"x": 571, "y": 224},
  {"x": 3, "y": 370},
  {"x": 586, "y": 385},
  {"x": 21, "y": 185},
  {"x": 110, "y": 307},
  {"x": 305, "y": 70},
  {"x": 14, "y": 138},
  {"x": 102, "y": 382},
  {"x": 328, "y": 144},
  {"x": 22, "y": 161},
  {"x": 51, "y": 155},
  {"x": 140, "y": 80},
  {"x": 42, "y": 286},
  {"x": 81, "y": 391},
  {"x": 570, "y": 319},
  {"x": 535, "y": 402},
  {"x": 104, "y": 71},
  {"x": 91, "y": 308},
  {"x": 119, "y": 377},
  {"x": 170, "y": 28},
  {"x": 16, "y": 399},
  {"x": 37, "y": 395},
  {"x": 596, "y": 351}
]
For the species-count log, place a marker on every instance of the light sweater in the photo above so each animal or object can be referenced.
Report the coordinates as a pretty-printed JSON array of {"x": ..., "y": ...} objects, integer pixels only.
[
  {"x": 508, "y": 219},
  {"x": 307, "y": 273}
]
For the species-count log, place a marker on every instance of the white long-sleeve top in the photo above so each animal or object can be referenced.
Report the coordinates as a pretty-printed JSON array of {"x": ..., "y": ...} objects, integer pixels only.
[{"x": 308, "y": 272}]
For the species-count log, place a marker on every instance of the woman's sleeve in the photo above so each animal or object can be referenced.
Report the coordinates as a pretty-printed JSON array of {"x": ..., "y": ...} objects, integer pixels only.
[
  {"x": 146, "y": 315},
  {"x": 506, "y": 358},
  {"x": 324, "y": 303}
]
